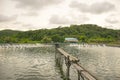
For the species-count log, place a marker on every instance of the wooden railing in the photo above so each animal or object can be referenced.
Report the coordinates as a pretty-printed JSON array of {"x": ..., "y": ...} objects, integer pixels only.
[{"x": 71, "y": 60}]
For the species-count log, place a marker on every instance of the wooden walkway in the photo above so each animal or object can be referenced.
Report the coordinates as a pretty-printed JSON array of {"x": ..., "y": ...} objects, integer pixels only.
[{"x": 71, "y": 60}]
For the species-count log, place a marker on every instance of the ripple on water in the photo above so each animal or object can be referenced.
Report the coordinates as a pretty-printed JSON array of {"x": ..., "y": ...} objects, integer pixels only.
[{"x": 28, "y": 64}]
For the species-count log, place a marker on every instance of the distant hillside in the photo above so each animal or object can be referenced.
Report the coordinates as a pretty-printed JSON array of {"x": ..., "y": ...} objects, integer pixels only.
[
  {"x": 8, "y": 32},
  {"x": 87, "y": 33}
]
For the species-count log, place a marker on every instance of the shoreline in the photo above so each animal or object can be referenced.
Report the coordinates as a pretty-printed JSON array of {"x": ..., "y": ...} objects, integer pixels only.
[
  {"x": 107, "y": 44},
  {"x": 113, "y": 45}
]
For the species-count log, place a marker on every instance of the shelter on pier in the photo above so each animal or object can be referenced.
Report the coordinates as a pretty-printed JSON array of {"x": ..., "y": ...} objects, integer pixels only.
[{"x": 71, "y": 40}]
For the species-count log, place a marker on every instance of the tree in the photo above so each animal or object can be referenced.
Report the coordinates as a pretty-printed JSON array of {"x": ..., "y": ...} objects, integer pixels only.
[
  {"x": 83, "y": 38},
  {"x": 57, "y": 38},
  {"x": 85, "y": 33},
  {"x": 46, "y": 40}
]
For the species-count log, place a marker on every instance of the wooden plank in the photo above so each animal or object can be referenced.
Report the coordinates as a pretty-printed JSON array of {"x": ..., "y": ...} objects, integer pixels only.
[
  {"x": 72, "y": 58},
  {"x": 83, "y": 72}
]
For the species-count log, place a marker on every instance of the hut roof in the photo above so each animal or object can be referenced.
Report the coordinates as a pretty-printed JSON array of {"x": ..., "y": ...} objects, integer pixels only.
[{"x": 71, "y": 40}]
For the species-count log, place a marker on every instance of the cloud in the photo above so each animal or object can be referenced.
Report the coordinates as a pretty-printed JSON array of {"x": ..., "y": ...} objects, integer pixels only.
[
  {"x": 17, "y": 23},
  {"x": 1, "y": 2},
  {"x": 24, "y": 26},
  {"x": 58, "y": 19},
  {"x": 27, "y": 25},
  {"x": 55, "y": 19},
  {"x": 95, "y": 8},
  {"x": 4, "y": 18},
  {"x": 35, "y": 4},
  {"x": 30, "y": 14},
  {"x": 113, "y": 19}
]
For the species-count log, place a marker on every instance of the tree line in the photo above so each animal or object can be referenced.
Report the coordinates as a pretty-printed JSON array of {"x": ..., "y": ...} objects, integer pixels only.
[{"x": 85, "y": 33}]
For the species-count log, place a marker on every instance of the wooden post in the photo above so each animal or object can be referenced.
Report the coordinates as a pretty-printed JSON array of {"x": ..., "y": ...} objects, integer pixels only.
[
  {"x": 78, "y": 75},
  {"x": 82, "y": 77},
  {"x": 57, "y": 45},
  {"x": 59, "y": 60},
  {"x": 68, "y": 64},
  {"x": 80, "y": 72},
  {"x": 56, "y": 54}
]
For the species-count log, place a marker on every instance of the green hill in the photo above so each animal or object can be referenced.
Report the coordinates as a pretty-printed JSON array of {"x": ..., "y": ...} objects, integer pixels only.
[{"x": 87, "y": 33}]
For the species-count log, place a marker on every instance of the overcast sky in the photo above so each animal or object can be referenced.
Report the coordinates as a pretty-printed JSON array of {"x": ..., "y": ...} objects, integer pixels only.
[{"x": 37, "y": 14}]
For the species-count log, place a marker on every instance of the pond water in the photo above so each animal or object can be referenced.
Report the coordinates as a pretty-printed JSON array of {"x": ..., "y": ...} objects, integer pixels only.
[
  {"x": 27, "y": 62},
  {"x": 102, "y": 61},
  {"x": 37, "y": 62}
]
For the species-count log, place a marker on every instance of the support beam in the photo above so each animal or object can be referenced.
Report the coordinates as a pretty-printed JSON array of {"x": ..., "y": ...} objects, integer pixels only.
[
  {"x": 68, "y": 64},
  {"x": 71, "y": 60}
]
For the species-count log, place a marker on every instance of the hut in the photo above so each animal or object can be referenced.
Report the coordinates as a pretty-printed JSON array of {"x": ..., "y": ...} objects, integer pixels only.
[{"x": 71, "y": 40}]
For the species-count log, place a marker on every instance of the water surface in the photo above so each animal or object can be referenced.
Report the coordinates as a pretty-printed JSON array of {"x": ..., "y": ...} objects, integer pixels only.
[
  {"x": 27, "y": 62},
  {"x": 37, "y": 62},
  {"x": 102, "y": 61}
]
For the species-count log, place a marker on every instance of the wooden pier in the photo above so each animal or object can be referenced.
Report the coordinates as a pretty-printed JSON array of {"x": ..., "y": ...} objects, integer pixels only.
[{"x": 71, "y": 60}]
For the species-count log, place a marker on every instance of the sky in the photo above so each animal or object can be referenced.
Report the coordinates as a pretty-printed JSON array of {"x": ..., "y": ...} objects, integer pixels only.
[{"x": 41, "y": 14}]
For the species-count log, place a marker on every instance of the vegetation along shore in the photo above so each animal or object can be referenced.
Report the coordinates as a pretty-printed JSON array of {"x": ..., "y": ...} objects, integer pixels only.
[{"x": 85, "y": 33}]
